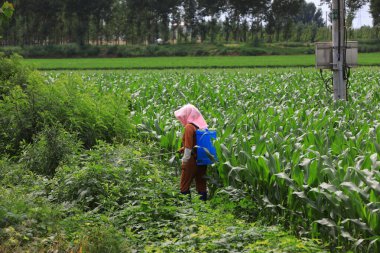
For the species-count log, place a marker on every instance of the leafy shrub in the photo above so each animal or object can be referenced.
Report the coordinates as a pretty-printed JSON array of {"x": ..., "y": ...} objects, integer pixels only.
[
  {"x": 90, "y": 51},
  {"x": 93, "y": 111},
  {"x": 16, "y": 121},
  {"x": 252, "y": 51},
  {"x": 151, "y": 50},
  {"x": 201, "y": 52},
  {"x": 112, "y": 50},
  {"x": 71, "y": 50},
  {"x": 28, "y": 221},
  {"x": 13, "y": 174},
  {"x": 93, "y": 232},
  {"x": 12, "y": 73},
  {"x": 104, "y": 178},
  {"x": 102, "y": 238},
  {"x": 93, "y": 182},
  {"x": 90, "y": 186},
  {"x": 94, "y": 114},
  {"x": 10, "y": 50},
  {"x": 52, "y": 146}
]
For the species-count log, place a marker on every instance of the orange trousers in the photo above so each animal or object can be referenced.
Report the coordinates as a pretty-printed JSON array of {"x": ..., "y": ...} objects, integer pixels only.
[{"x": 191, "y": 171}]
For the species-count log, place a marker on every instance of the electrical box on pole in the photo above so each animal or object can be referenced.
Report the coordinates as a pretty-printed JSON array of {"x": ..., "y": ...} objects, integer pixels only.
[
  {"x": 324, "y": 54},
  {"x": 338, "y": 55}
]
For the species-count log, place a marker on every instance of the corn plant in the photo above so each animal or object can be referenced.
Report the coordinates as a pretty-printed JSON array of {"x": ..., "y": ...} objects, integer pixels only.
[{"x": 302, "y": 157}]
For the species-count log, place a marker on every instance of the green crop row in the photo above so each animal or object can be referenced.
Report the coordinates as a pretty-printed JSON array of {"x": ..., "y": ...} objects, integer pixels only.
[
  {"x": 368, "y": 59},
  {"x": 308, "y": 162}
]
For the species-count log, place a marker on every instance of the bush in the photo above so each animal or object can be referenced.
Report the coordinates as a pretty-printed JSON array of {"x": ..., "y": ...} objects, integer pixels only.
[
  {"x": 17, "y": 122},
  {"x": 95, "y": 233},
  {"x": 14, "y": 174},
  {"x": 100, "y": 238},
  {"x": 52, "y": 146},
  {"x": 28, "y": 222},
  {"x": 97, "y": 180},
  {"x": 252, "y": 51},
  {"x": 79, "y": 108},
  {"x": 10, "y": 50},
  {"x": 201, "y": 52},
  {"x": 71, "y": 50},
  {"x": 151, "y": 50},
  {"x": 12, "y": 73},
  {"x": 90, "y": 186},
  {"x": 90, "y": 51}
]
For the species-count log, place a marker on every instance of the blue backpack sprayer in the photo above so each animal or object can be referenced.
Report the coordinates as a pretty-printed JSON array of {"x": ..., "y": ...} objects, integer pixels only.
[{"x": 206, "y": 152}]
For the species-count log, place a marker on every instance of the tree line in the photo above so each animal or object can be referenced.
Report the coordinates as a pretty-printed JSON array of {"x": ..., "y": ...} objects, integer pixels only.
[{"x": 47, "y": 22}]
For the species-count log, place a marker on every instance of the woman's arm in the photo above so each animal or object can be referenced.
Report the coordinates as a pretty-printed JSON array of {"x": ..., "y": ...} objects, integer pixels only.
[
  {"x": 188, "y": 143},
  {"x": 186, "y": 155}
]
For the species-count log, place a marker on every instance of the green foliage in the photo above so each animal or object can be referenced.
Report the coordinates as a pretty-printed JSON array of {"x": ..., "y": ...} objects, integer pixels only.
[
  {"x": 6, "y": 11},
  {"x": 375, "y": 11},
  {"x": 211, "y": 62},
  {"x": 28, "y": 220},
  {"x": 135, "y": 207},
  {"x": 94, "y": 233},
  {"x": 204, "y": 49},
  {"x": 105, "y": 179},
  {"x": 96, "y": 113},
  {"x": 366, "y": 45},
  {"x": 369, "y": 46},
  {"x": 57, "y": 197},
  {"x": 287, "y": 152},
  {"x": 129, "y": 22},
  {"x": 13, "y": 73},
  {"x": 305, "y": 161},
  {"x": 51, "y": 147},
  {"x": 91, "y": 111}
]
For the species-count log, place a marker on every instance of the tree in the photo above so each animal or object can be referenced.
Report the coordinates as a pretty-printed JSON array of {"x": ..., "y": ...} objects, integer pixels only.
[
  {"x": 375, "y": 12},
  {"x": 238, "y": 9},
  {"x": 318, "y": 18},
  {"x": 164, "y": 8},
  {"x": 190, "y": 7},
  {"x": 352, "y": 6},
  {"x": 308, "y": 14},
  {"x": 227, "y": 29},
  {"x": 82, "y": 11},
  {"x": 6, "y": 11},
  {"x": 282, "y": 12},
  {"x": 211, "y": 8}
]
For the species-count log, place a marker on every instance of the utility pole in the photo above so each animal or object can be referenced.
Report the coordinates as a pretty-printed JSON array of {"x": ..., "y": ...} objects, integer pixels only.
[
  {"x": 339, "y": 55},
  {"x": 339, "y": 50}
]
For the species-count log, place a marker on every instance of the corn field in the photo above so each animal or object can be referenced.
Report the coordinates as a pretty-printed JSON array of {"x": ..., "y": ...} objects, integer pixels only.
[{"x": 310, "y": 164}]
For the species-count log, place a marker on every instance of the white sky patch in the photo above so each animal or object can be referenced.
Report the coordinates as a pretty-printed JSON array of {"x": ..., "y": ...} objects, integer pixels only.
[{"x": 363, "y": 17}]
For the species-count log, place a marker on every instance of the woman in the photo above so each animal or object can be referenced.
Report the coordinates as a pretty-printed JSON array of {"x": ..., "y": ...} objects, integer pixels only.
[{"x": 191, "y": 119}]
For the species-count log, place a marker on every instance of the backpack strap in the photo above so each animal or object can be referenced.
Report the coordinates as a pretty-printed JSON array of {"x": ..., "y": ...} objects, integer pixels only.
[
  {"x": 194, "y": 150},
  {"x": 195, "y": 125}
]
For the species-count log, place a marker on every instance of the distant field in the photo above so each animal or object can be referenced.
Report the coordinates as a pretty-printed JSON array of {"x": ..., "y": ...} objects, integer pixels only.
[{"x": 370, "y": 59}]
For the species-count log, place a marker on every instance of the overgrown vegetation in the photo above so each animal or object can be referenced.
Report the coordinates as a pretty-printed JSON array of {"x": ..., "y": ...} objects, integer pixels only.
[
  {"x": 76, "y": 177},
  {"x": 30, "y": 103},
  {"x": 104, "y": 202},
  {"x": 72, "y": 50},
  {"x": 288, "y": 155},
  {"x": 204, "y": 49}
]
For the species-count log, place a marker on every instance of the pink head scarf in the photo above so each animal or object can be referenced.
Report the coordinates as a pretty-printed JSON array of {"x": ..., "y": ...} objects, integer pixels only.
[{"x": 190, "y": 114}]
